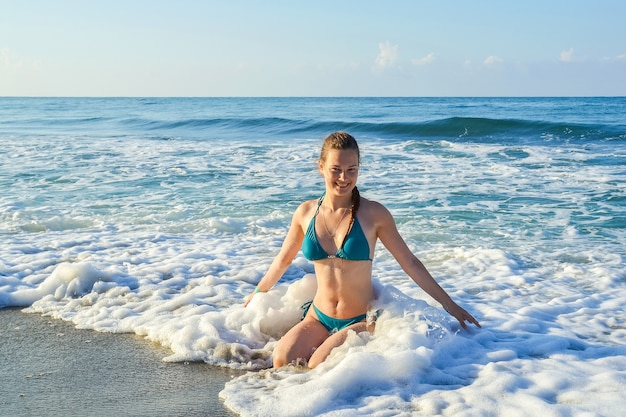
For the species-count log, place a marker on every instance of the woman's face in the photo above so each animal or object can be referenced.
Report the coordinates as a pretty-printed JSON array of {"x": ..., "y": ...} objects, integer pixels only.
[{"x": 340, "y": 171}]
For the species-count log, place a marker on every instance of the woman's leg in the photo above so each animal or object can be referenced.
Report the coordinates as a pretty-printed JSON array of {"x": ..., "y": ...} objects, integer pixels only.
[
  {"x": 300, "y": 342},
  {"x": 333, "y": 341}
]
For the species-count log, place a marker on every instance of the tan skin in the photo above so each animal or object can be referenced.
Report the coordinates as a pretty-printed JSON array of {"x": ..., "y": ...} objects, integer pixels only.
[{"x": 344, "y": 288}]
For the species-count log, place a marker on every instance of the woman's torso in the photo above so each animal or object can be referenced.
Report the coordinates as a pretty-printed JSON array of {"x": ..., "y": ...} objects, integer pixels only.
[{"x": 344, "y": 287}]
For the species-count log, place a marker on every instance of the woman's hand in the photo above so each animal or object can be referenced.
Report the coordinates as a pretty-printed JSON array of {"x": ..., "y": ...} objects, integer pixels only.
[
  {"x": 249, "y": 298},
  {"x": 461, "y": 315}
]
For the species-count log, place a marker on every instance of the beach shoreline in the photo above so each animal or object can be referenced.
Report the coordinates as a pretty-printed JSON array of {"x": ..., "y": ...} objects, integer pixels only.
[{"x": 51, "y": 368}]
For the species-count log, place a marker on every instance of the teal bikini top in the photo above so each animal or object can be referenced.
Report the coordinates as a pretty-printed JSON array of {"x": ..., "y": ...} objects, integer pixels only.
[{"x": 354, "y": 247}]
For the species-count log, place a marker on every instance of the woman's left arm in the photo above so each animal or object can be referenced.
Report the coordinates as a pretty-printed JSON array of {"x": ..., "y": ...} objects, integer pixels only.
[{"x": 390, "y": 237}]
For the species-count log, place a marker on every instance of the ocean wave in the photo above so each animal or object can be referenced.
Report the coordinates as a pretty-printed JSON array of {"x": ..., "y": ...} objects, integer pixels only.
[
  {"x": 490, "y": 120},
  {"x": 473, "y": 129}
]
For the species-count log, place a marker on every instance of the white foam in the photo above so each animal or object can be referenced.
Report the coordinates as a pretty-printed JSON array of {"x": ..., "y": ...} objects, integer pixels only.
[{"x": 66, "y": 281}]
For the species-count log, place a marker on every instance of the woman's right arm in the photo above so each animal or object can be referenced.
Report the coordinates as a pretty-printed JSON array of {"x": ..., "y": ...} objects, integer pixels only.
[
  {"x": 288, "y": 251},
  {"x": 390, "y": 237}
]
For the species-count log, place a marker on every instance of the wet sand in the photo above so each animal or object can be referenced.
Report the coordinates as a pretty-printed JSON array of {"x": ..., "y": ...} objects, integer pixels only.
[{"x": 49, "y": 368}]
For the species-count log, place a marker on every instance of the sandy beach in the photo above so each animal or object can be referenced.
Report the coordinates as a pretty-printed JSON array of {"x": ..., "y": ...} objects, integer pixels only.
[{"x": 51, "y": 368}]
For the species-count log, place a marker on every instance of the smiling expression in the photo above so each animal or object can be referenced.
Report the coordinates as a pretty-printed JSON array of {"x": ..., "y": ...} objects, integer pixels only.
[{"x": 340, "y": 170}]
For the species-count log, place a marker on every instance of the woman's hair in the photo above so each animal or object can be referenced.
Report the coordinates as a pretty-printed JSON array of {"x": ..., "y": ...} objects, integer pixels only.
[
  {"x": 342, "y": 141},
  {"x": 339, "y": 141}
]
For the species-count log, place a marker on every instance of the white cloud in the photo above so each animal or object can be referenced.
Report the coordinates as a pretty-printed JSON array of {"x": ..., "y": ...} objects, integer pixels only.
[
  {"x": 428, "y": 59},
  {"x": 567, "y": 56},
  {"x": 9, "y": 62},
  {"x": 492, "y": 60},
  {"x": 387, "y": 55},
  {"x": 621, "y": 57}
]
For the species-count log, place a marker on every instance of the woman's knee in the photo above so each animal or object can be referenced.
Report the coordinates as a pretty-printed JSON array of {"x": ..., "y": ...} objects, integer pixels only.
[
  {"x": 280, "y": 355},
  {"x": 285, "y": 355},
  {"x": 298, "y": 344},
  {"x": 278, "y": 361}
]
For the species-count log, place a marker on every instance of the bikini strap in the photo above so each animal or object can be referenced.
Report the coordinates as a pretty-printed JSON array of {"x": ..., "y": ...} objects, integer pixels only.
[{"x": 319, "y": 203}]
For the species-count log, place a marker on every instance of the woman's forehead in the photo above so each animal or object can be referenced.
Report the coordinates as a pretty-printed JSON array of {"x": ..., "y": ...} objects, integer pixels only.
[{"x": 342, "y": 157}]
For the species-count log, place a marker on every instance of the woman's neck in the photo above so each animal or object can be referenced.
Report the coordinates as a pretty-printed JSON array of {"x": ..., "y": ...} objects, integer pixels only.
[{"x": 336, "y": 203}]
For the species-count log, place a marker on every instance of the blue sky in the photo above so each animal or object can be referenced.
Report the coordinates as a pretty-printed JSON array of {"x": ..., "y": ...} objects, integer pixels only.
[{"x": 314, "y": 48}]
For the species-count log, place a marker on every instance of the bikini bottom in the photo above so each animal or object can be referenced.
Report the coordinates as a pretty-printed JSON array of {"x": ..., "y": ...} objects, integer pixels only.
[{"x": 332, "y": 324}]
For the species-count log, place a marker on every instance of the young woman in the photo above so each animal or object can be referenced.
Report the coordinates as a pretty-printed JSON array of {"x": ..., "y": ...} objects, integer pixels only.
[{"x": 338, "y": 233}]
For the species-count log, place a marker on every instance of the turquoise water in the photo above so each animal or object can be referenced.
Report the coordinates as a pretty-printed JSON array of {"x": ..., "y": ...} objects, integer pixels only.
[{"x": 157, "y": 216}]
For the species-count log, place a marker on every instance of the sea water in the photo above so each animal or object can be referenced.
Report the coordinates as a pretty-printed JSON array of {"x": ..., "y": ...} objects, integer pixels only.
[{"x": 158, "y": 216}]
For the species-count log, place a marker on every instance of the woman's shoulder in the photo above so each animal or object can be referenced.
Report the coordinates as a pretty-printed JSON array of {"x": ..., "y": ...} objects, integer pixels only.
[
  {"x": 374, "y": 213},
  {"x": 306, "y": 208},
  {"x": 373, "y": 207},
  {"x": 308, "y": 204}
]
